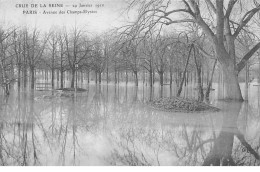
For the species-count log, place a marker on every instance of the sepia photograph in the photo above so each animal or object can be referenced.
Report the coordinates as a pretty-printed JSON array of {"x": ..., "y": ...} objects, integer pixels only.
[{"x": 113, "y": 83}]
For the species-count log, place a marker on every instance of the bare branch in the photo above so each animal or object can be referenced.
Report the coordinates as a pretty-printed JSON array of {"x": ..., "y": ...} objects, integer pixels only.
[
  {"x": 243, "y": 61},
  {"x": 230, "y": 7},
  {"x": 245, "y": 19},
  {"x": 211, "y": 6}
]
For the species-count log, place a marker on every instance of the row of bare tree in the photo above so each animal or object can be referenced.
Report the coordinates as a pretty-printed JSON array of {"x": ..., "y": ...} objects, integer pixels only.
[{"x": 26, "y": 51}]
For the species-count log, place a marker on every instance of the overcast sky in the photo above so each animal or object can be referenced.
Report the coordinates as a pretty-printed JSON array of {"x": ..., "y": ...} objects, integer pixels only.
[{"x": 106, "y": 17}]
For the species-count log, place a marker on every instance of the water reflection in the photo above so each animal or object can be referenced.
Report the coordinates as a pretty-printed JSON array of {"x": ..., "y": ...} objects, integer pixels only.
[
  {"x": 111, "y": 125},
  {"x": 221, "y": 153}
]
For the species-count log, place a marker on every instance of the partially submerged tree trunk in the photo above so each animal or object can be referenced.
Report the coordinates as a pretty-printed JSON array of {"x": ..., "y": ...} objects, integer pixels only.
[
  {"x": 171, "y": 77},
  {"x": 184, "y": 72},
  {"x": 115, "y": 76},
  {"x": 61, "y": 78},
  {"x": 4, "y": 77},
  {"x": 76, "y": 81},
  {"x": 58, "y": 75},
  {"x": 246, "y": 80},
  {"x": 96, "y": 77},
  {"x": 151, "y": 78},
  {"x": 24, "y": 76},
  {"x": 232, "y": 89},
  {"x": 210, "y": 81},
  {"x": 99, "y": 77},
  {"x": 88, "y": 76},
  {"x": 19, "y": 77},
  {"x": 52, "y": 78},
  {"x": 136, "y": 78},
  {"x": 73, "y": 71},
  {"x": 161, "y": 77},
  {"x": 107, "y": 76},
  {"x": 118, "y": 77},
  {"x": 32, "y": 77},
  {"x": 144, "y": 74},
  {"x": 126, "y": 77},
  {"x": 199, "y": 81}
]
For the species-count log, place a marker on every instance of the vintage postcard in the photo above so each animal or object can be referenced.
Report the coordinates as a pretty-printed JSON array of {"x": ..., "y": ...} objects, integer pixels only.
[{"x": 129, "y": 82}]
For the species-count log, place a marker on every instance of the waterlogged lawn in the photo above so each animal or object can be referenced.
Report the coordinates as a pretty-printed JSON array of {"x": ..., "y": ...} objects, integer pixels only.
[{"x": 111, "y": 125}]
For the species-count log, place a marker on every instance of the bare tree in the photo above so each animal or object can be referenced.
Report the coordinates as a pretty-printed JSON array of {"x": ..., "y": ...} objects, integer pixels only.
[
  {"x": 161, "y": 60},
  {"x": 148, "y": 61},
  {"x": 222, "y": 33},
  {"x": 17, "y": 48},
  {"x": 6, "y": 59},
  {"x": 35, "y": 47},
  {"x": 51, "y": 59},
  {"x": 77, "y": 49},
  {"x": 98, "y": 60}
]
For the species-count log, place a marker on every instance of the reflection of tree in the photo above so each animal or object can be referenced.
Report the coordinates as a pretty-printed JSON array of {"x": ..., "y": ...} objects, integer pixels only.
[
  {"x": 138, "y": 144},
  {"x": 127, "y": 151},
  {"x": 221, "y": 154},
  {"x": 54, "y": 131},
  {"x": 20, "y": 145}
]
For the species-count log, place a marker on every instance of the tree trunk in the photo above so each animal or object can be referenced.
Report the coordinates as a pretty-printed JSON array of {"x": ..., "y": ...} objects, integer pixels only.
[
  {"x": 166, "y": 77},
  {"x": 100, "y": 75},
  {"x": 126, "y": 77},
  {"x": 72, "y": 78},
  {"x": 52, "y": 78},
  {"x": 171, "y": 77},
  {"x": 232, "y": 89},
  {"x": 115, "y": 76},
  {"x": 24, "y": 77},
  {"x": 186, "y": 78},
  {"x": 199, "y": 82},
  {"x": 118, "y": 77},
  {"x": 246, "y": 80},
  {"x": 107, "y": 76},
  {"x": 184, "y": 72},
  {"x": 82, "y": 76},
  {"x": 161, "y": 78},
  {"x": 177, "y": 78},
  {"x": 32, "y": 77},
  {"x": 19, "y": 77},
  {"x": 96, "y": 77},
  {"x": 47, "y": 75},
  {"x": 136, "y": 78},
  {"x": 200, "y": 89},
  {"x": 143, "y": 77},
  {"x": 58, "y": 75},
  {"x": 210, "y": 82},
  {"x": 151, "y": 78},
  {"x": 61, "y": 78},
  {"x": 76, "y": 81}
]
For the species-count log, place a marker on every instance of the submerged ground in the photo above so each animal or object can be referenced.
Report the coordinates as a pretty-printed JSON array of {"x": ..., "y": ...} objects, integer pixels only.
[{"x": 111, "y": 125}]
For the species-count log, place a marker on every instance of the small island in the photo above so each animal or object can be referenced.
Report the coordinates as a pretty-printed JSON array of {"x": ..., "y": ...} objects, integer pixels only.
[
  {"x": 177, "y": 104},
  {"x": 61, "y": 93},
  {"x": 72, "y": 89}
]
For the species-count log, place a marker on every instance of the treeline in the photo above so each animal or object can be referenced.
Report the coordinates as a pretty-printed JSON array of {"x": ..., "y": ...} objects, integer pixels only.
[{"x": 172, "y": 59}]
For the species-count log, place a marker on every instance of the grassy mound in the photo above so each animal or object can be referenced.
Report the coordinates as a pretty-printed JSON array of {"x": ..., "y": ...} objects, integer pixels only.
[
  {"x": 60, "y": 93},
  {"x": 54, "y": 96},
  {"x": 177, "y": 104},
  {"x": 72, "y": 89}
]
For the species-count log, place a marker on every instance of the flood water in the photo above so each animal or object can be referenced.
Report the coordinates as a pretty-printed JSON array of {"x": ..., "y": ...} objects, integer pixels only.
[{"x": 111, "y": 125}]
